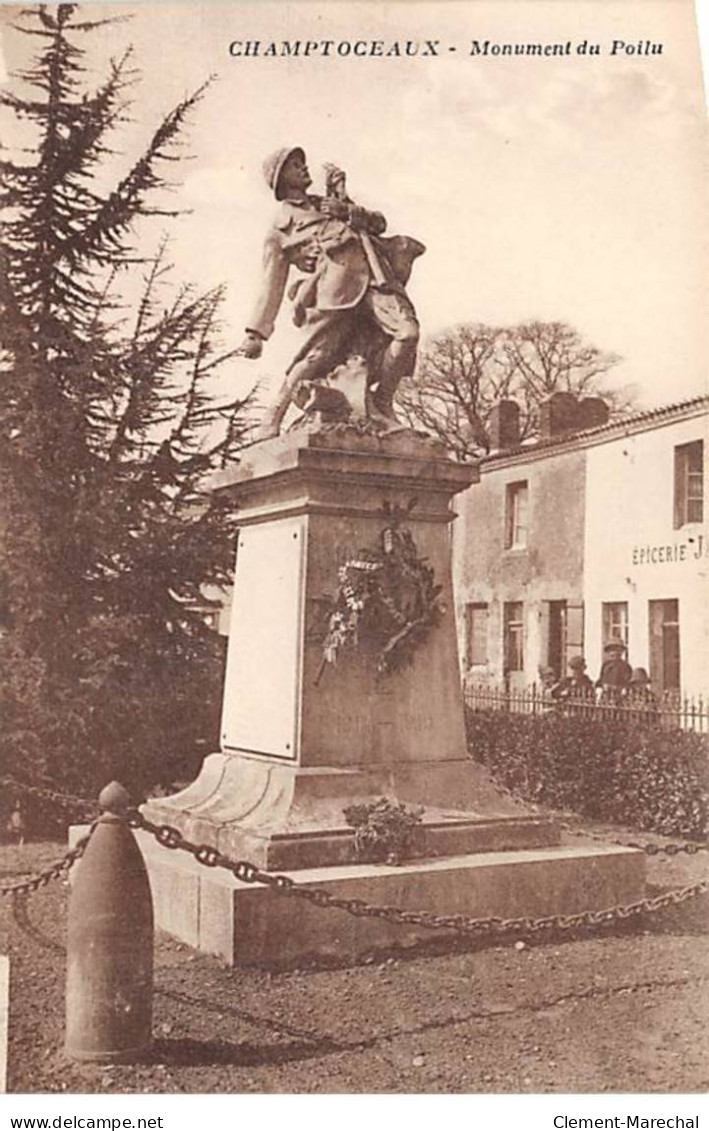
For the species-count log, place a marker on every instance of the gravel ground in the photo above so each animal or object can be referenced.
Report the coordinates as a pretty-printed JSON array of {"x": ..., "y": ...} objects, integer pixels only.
[{"x": 625, "y": 1012}]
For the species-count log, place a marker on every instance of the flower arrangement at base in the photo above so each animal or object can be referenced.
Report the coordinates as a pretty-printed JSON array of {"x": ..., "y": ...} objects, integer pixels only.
[{"x": 384, "y": 830}]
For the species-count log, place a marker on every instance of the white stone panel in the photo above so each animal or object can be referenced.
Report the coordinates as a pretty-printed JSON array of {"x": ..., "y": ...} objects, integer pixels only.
[{"x": 263, "y": 668}]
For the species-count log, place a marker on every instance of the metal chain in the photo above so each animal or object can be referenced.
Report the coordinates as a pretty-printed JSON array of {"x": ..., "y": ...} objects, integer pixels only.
[
  {"x": 65, "y": 800},
  {"x": 68, "y": 801},
  {"x": 54, "y": 872},
  {"x": 690, "y": 847},
  {"x": 171, "y": 838}
]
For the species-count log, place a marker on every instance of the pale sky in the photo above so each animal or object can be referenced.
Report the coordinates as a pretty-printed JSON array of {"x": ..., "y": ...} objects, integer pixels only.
[{"x": 568, "y": 188}]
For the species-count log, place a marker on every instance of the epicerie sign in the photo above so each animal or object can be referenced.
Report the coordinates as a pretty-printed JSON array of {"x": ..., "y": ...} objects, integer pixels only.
[{"x": 691, "y": 549}]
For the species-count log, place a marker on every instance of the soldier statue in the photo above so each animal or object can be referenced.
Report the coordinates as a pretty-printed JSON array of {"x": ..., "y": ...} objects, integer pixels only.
[{"x": 349, "y": 296}]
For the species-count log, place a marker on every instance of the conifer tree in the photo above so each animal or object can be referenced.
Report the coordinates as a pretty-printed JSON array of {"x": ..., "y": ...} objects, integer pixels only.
[{"x": 108, "y": 432}]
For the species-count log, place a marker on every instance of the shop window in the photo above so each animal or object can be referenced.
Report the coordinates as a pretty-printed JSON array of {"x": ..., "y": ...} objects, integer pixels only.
[
  {"x": 516, "y": 515},
  {"x": 476, "y": 622},
  {"x": 689, "y": 483},
  {"x": 615, "y": 621}
]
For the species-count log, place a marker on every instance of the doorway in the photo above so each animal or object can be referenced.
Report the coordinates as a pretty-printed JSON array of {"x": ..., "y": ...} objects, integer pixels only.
[{"x": 664, "y": 644}]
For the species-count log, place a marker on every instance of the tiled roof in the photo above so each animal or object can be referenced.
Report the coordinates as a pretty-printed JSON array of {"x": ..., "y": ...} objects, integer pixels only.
[{"x": 633, "y": 422}]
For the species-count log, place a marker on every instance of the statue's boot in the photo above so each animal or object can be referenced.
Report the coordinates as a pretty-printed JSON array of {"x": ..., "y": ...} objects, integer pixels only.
[
  {"x": 270, "y": 425},
  {"x": 398, "y": 361},
  {"x": 383, "y": 399},
  {"x": 314, "y": 366},
  {"x": 383, "y": 422},
  {"x": 267, "y": 429}
]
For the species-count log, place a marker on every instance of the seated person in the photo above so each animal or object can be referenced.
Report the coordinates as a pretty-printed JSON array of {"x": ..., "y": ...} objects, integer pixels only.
[{"x": 576, "y": 685}]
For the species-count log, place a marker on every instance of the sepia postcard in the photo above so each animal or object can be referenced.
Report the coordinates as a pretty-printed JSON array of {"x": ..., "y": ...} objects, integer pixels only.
[{"x": 402, "y": 305}]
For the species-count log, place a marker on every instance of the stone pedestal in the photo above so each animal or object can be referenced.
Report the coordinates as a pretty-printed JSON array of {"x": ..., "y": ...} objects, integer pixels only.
[{"x": 301, "y": 741}]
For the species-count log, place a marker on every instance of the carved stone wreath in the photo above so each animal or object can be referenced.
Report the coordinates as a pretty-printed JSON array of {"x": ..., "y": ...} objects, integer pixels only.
[{"x": 386, "y": 593}]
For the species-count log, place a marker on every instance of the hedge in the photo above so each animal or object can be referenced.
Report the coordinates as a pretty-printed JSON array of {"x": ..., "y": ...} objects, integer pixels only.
[{"x": 637, "y": 775}]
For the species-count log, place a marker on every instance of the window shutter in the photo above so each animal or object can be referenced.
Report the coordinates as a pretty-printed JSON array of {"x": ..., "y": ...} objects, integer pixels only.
[
  {"x": 574, "y": 629},
  {"x": 679, "y": 488}
]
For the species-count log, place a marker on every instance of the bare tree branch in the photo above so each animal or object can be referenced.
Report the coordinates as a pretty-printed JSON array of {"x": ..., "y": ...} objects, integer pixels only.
[{"x": 463, "y": 372}]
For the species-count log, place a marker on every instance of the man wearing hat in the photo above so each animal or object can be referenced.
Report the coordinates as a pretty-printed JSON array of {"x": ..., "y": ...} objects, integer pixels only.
[
  {"x": 615, "y": 671},
  {"x": 355, "y": 297},
  {"x": 576, "y": 685}
]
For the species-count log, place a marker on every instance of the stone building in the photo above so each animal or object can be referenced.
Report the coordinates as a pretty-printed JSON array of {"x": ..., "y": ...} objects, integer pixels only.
[{"x": 595, "y": 530}]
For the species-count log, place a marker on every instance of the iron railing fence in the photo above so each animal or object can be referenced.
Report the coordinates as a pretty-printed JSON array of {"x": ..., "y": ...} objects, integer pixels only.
[{"x": 671, "y": 709}]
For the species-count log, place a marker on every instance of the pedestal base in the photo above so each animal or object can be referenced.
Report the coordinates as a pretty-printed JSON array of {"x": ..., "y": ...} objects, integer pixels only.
[
  {"x": 247, "y": 924},
  {"x": 289, "y": 817}
]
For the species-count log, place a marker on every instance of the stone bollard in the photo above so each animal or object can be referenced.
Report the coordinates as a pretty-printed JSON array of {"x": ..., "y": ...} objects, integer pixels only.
[{"x": 109, "y": 992}]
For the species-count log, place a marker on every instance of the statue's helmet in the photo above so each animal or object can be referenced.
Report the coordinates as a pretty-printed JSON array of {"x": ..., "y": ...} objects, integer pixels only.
[{"x": 273, "y": 166}]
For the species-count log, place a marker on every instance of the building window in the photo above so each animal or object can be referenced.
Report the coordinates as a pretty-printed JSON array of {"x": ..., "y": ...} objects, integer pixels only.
[
  {"x": 557, "y": 646},
  {"x": 514, "y": 636},
  {"x": 476, "y": 617},
  {"x": 516, "y": 515},
  {"x": 664, "y": 645},
  {"x": 615, "y": 621},
  {"x": 689, "y": 483}
]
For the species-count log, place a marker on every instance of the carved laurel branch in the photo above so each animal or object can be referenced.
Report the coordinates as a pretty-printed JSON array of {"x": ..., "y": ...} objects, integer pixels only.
[{"x": 386, "y": 593}]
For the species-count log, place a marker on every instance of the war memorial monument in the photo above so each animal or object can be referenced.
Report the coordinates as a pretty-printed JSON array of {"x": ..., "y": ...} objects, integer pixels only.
[{"x": 342, "y": 682}]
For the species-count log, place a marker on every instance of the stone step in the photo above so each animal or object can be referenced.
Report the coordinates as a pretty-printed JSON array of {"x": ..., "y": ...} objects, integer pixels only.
[
  {"x": 445, "y": 836},
  {"x": 248, "y": 924},
  {"x": 315, "y": 846}
]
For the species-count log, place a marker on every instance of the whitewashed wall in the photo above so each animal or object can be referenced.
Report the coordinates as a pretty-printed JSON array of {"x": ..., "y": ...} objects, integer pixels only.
[{"x": 630, "y": 508}]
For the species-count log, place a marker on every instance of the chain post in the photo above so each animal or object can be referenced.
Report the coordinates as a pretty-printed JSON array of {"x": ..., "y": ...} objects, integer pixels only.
[{"x": 110, "y": 943}]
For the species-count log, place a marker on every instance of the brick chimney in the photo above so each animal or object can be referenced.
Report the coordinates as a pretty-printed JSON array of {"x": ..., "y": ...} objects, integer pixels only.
[
  {"x": 503, "y": 426},
  {"x": 558, "y": 414},
  {"x": 593, "y": 412}
]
